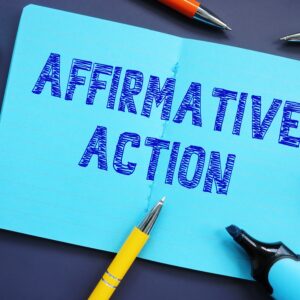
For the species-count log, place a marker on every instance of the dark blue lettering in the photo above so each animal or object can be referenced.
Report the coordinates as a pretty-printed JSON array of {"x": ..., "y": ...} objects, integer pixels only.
[
  {"x": 129, "y": 91},
  {"x": 259, "y": 129},
  {"x": 191, "y": 102},
  {"x": 119, "y": 166},
  {"x": 172, "y": 163},
  {"x": 95, "y": 83},
  {"x": 50, "y": 73},
  {"x": 288, "y": 123},
  {"x": 159, "y": 95},
  {"x": 240, "y": 114},
  {"x": 114, "y": 88},
  {"x": 214, "y": 173},
  {"x": 96, "y": 146},
  {"x": 74, "y": 79},
  {"x": 184, "y": 166},
  {"x": 157, "y": 145},
  {"x": 225, "y": 96}
]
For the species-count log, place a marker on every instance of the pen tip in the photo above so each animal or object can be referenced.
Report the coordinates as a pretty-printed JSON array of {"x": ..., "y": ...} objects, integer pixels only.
[
  {"x": 162, "y": 200},
  {"x": 233, "y": 230},
  {"x": 227, "y": 28},
  {"x": 283, "y": 38}
]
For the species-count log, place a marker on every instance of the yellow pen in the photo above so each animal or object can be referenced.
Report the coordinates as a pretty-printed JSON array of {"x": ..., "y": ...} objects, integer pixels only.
[{"x": 126, "y": 256}]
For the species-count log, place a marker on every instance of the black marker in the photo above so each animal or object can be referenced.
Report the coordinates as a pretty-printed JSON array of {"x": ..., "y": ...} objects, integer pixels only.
[{"x": 274, "y": 265}]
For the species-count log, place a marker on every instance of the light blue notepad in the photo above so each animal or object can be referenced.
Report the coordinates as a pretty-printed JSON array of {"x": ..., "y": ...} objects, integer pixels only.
[{"x": 100, "y": 120}]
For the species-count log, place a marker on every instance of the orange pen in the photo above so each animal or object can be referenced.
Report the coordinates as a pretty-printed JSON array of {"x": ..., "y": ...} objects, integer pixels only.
[{"x": 195, "y": 10}]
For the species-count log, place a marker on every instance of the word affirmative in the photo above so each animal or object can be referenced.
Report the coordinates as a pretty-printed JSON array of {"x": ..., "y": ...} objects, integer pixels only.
[{"x": 163, "y": 95}]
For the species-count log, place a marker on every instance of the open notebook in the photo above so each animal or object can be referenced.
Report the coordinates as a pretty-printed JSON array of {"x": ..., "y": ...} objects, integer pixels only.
[{"x": 102, "y": 119}]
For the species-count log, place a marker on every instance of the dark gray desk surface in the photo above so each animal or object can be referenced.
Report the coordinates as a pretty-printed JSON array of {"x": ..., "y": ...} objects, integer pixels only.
[{"x": 33, "y": 268}]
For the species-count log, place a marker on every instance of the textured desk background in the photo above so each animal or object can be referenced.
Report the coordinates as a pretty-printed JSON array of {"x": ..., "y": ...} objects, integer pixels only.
[{"x": 32, "y": 268}]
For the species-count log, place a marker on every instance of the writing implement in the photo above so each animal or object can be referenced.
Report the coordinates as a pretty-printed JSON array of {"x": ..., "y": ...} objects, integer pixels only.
[
  {"x": 291, "y": 38},
  {"x": 195, "y": 10},
  {"x": 126, "y": 256},
  {"x": 274, "y": 265}
]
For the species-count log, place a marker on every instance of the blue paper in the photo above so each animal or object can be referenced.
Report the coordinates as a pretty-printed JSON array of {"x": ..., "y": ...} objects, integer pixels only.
[{"x": 233, "y": 118}]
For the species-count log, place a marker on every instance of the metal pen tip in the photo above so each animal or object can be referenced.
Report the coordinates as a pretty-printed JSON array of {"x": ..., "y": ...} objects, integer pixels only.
[
  {"x": 291, "y": 38},
  {"x": 162, "y": 200},
  {"x": 204, "y": 15},
  {"x": 149, "y": 221}
]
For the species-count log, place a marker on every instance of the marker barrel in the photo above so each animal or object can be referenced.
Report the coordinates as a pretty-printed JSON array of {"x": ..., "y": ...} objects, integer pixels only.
[{"x": 284, "y": 277}]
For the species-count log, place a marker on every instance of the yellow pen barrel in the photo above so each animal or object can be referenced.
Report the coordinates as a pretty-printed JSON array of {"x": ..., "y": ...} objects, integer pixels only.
[{"x": 120, "y": 265}]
